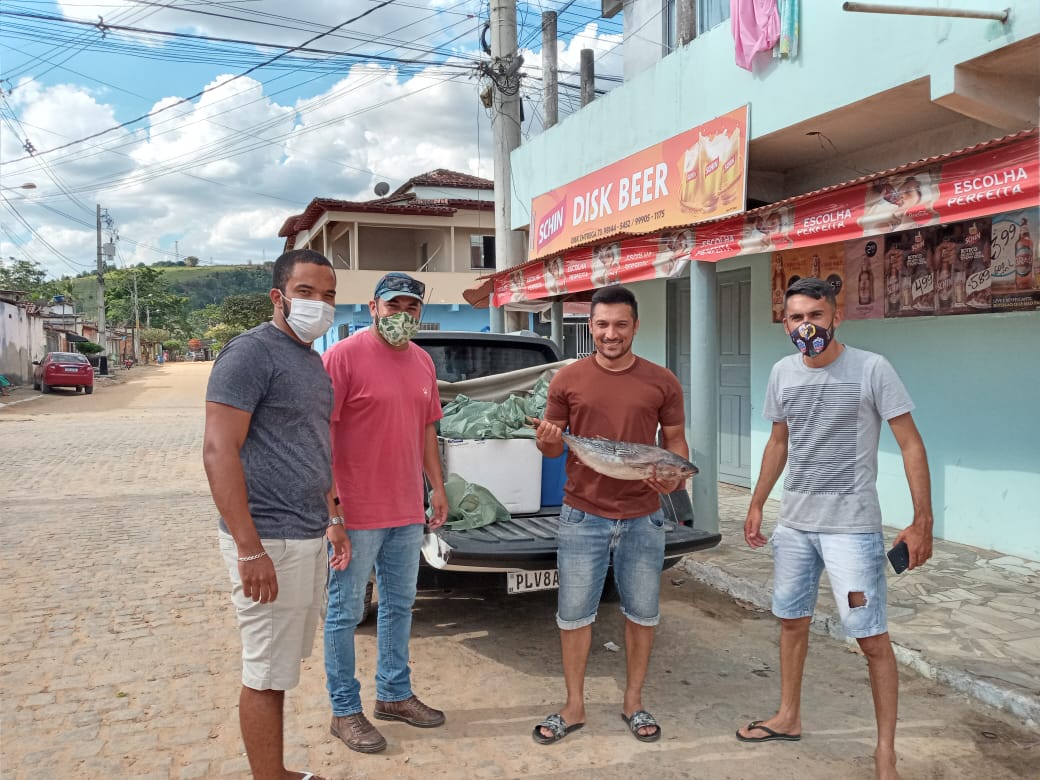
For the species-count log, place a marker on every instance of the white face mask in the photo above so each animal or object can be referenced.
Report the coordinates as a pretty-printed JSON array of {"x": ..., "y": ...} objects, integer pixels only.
[{"x": 308, "y": 319}]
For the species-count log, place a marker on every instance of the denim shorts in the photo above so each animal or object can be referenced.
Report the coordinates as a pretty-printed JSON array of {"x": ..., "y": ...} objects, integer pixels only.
[
  {"x": 586, "y": 544},
  {"x": 855, "y": 563}
]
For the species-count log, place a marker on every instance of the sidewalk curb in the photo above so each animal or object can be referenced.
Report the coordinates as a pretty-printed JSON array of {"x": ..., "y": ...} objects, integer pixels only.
[{"x": 1021, "y": 705}]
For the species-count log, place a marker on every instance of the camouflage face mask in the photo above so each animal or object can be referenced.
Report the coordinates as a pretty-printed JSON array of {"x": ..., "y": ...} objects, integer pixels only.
[{"x": 397, "y": 329}]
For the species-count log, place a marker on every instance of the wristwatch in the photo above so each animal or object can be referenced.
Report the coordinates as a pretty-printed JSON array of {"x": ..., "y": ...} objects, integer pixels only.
[{"x": 337, "y": 520}]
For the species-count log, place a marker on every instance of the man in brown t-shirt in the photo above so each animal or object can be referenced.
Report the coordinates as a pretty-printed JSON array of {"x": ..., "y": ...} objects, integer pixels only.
[{"x": 612, "y": 394}]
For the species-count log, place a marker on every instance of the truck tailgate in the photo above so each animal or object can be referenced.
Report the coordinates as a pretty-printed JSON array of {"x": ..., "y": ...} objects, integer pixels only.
[{"x": 529, "y": 542}]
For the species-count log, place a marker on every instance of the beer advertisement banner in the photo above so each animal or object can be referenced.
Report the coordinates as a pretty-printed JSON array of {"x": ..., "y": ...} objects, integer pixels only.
[
  {"x": 692, "y": 177},
  {"x": 618, "y": 262},
  {"x": 933, "y": 225},
  {"x": 988, "y": 264}
]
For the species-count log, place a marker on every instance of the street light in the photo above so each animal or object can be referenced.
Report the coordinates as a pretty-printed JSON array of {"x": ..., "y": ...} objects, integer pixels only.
[{"x": 27, "y": 186}]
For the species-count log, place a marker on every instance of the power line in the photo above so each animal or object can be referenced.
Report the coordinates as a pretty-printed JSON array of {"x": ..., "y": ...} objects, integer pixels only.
[{"x": 233, "y": 78}]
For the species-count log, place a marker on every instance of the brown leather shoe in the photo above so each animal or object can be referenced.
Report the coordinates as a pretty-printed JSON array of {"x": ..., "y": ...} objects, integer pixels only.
[
  {"x": 411, "y": 711},
  {"x": 357, "y": 733}
]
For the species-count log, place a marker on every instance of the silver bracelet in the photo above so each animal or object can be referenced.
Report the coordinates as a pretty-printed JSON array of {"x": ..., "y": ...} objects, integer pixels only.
[{"x": 258, "y": 556}]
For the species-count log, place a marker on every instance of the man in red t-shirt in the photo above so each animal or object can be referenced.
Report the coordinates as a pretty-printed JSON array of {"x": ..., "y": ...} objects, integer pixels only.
[
  {"x": 384, "y": 437},
  {"x": 615, "y": 395}
]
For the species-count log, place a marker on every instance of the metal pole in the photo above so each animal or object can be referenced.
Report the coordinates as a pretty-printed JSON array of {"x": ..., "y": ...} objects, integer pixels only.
[
  {"x": 551, "y": 94},
  {"x": 909, "y": 10},
  {"x": 556, "y": 326},
  {"x": 137, "y": 322},
  {"x": 102, "y": 337},
  {"x": 505, "y": 124},
  {"x": 704, "y": 395},
  {"x": 685, "y": 22},
  {"x": 588, "y": 76}
]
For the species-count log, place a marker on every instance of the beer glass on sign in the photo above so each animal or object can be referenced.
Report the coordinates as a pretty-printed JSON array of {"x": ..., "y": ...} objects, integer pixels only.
[
  {"x": 732, "y": 169},
  {"x": 690, "y": 189}
]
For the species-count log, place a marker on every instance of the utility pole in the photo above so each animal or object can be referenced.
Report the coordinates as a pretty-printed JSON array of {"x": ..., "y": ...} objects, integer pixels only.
[
  {"x": 504, "y": 73},
  {"x": 137, "y": 321},
  {"x": 551, "y": 90},
  {"x": 177, "y": 251},
  {"x": 588, "y": 76},
  {"x": 102, "y": 338},
  {"x": 550, "y": 116}
]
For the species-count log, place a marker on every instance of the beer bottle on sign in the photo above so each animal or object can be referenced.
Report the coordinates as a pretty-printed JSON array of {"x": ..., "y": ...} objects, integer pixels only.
[
  {"x": 1024, "y": 259},
  {"x": 778, "y": 287},
  {"x": 815, "y": 272},
  {"x": 944, "y": 279},
  {"x": 866, "y": 282},
  {"x": 906, "y": 289},
  {"x": 893, "y": 258},
  {"x": 960, "y": 278}
]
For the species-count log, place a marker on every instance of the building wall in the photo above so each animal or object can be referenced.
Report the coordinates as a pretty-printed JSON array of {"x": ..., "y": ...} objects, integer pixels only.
[
  {"x": 449, "y": 317},
  {"x": 643, "y": 22},
  {"x": 21, "y": 341},
  {"x": 973, "y": 378},
  {"x": 974, "y": 382},
  {"x": 844, "y": 58}
]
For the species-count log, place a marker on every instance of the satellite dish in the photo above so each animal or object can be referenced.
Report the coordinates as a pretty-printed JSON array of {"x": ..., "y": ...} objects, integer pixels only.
[{"x": 382, "y": 188}]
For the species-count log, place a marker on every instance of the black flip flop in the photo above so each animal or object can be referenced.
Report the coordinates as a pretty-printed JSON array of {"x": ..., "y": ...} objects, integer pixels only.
[
  {"x": 642, "y": 719},
  {"x": 770, "y": 734},
  {"x": 557, "y": 725}
]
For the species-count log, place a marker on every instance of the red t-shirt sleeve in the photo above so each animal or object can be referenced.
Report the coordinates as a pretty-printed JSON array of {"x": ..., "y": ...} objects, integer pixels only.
[
  {"x": 673, "y": 410},
  {"x": 557, "y": 408},
  {"x": 338, "y": 368}
]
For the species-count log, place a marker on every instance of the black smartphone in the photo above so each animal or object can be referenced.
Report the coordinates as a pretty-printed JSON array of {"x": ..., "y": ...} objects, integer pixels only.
[{"x": 899, "y": 557}]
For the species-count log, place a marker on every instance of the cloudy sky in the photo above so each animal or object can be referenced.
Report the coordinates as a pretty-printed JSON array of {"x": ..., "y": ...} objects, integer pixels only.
[{"x": 199, "y": 130}]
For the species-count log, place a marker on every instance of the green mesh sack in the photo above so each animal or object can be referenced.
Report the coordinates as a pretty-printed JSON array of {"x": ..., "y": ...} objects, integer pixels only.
[{"x": 470, "y": 505}]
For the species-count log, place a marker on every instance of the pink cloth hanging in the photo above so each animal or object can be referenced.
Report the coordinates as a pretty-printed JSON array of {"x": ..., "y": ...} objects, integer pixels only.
[{"x": 756, "y": 27}]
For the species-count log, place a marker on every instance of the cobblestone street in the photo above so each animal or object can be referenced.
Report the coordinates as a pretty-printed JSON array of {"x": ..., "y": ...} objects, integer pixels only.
[{"x": 121, "y": 659}]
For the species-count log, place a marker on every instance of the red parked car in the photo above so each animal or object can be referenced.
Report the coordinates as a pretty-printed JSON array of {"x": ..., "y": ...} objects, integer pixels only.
[{"x": 63, "y": 369}]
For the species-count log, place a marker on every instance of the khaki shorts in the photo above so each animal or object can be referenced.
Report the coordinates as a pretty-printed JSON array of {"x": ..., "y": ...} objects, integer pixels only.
[{"x": 277, "y": 636}]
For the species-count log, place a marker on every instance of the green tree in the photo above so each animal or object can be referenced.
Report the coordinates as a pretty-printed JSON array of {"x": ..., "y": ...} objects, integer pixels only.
[
  {"x": 201, "y": 320},
  {"x": 29, "y": 277},
  {"x": 221, "y": 334},
  {"x": 157, "y": 304},
  {"x": 245, "y": 311},
  {"x": 191, "y": 261}
]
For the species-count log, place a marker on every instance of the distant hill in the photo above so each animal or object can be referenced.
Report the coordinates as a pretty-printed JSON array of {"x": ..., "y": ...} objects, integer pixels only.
[{"x": 202, "y": 285}]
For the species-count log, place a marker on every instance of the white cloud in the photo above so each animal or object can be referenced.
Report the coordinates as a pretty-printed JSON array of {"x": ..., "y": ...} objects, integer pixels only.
[{"x": 220, "y": 174}]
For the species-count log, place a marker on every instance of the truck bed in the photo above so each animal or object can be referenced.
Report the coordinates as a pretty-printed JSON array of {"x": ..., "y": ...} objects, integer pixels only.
[{"x": 529, "y": 542}]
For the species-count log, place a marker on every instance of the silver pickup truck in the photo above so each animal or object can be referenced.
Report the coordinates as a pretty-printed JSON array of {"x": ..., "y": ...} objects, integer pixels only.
[{"x": 519, "y": 555}]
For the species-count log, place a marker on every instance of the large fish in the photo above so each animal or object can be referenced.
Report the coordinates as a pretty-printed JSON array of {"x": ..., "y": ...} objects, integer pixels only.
[{"x": 625, "y": 460}]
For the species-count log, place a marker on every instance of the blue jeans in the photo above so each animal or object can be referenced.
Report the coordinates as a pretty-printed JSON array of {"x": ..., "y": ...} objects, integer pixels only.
[
  {"x": 394, "y": 552},
  {"x": 586, "y": 542},
  {"x": 855, "y": 563}
]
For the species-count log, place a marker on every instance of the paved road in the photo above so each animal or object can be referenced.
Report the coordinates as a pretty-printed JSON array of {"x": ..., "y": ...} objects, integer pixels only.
[{"x": 120, "y": 657}]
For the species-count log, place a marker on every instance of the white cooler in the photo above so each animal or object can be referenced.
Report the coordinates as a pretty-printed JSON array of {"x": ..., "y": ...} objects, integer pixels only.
[{"x": 510, "y": 468}]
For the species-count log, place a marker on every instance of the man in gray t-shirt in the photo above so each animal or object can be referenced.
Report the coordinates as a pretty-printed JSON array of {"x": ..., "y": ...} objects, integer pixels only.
[
  {"x": 827, "y": 405},
  {"x": 268, "y": 459}
]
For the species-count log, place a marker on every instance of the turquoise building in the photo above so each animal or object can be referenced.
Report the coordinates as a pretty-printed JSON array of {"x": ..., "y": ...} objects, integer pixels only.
[{"x": 863, "y": 96}]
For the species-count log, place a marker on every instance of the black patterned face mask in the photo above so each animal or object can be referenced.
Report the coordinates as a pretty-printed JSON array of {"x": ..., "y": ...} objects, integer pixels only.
[{"x": 810, "y": 339}]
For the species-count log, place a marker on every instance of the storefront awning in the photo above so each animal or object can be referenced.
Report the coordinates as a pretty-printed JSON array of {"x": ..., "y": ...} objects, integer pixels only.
[{"x": 997, "y": 176}]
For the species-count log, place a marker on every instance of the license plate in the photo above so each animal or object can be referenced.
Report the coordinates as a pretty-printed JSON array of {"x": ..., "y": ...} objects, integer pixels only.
[
  {"x": 69, "y": 370},
  {"x": 527, "y": 581}
]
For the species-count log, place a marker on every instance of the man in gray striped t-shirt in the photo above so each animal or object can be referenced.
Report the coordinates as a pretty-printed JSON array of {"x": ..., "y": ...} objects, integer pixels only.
[{"x": 827, "y": 404}]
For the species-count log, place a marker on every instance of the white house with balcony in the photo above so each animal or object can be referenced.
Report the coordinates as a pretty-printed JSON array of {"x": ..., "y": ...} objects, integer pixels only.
[{"x": 438, "y": 226}]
